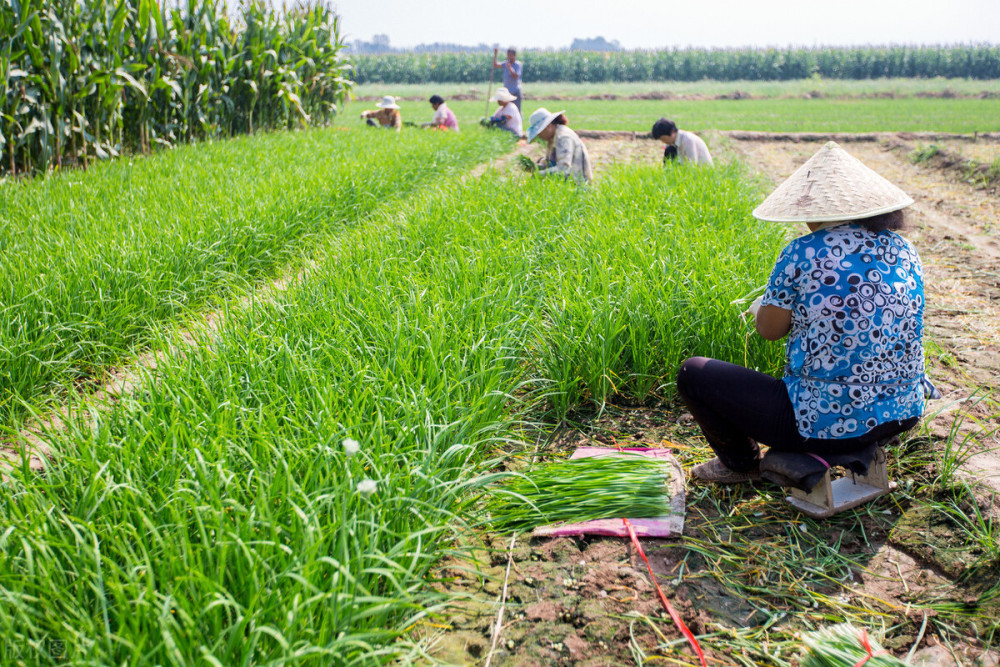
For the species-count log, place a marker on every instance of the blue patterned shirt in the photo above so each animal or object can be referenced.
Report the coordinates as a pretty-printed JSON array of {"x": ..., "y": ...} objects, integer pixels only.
[{"x": 855, "y": 350}]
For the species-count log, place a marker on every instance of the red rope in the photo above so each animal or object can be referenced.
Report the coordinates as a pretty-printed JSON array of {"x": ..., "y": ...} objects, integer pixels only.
[
  {"x": 663, "y": 598},
  {"x": 868, "y": 647}
]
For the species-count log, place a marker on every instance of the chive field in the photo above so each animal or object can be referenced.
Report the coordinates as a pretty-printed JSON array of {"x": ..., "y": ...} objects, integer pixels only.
[
  {"x": 281, "y": 494},
  {"x": 831, "y": 114},
  {"x": 92, "y": 261}
]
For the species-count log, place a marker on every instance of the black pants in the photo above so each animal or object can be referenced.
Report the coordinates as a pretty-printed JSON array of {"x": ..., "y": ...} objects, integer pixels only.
[{"x": 737, "y": 408}]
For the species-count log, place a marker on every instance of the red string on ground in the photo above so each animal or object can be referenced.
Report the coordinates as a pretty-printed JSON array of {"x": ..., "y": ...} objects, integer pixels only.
[
  {"x": 663, "y": 598},
  {"x": 863, "y": 635}
]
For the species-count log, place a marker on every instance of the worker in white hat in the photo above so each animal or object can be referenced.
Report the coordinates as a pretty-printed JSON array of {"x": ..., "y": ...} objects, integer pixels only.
[
  {"x": 565, "y": 153},
  {"x": 507, "y": 116},
  {"x": 850, "y": 297},
  {"x": 387, "y": 115}
]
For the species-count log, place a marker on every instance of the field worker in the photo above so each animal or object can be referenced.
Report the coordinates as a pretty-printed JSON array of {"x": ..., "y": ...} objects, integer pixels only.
[
  {"x": 444, "y": 118},
  {"x": 850, "y": 297},
  {"x": 512, "y": 69},
  {"x": 565, "y": 152},
  {"x": 680, "y": 144},
  {"x": 507, "y": 116},
  {"x": 387, "y": 116}
]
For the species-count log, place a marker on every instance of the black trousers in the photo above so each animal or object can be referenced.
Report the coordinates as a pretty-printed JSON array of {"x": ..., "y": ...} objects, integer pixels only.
[{"x": 737, "y": 408}]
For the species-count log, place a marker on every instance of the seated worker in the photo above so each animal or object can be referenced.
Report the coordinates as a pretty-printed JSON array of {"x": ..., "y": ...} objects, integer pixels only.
[
  {"x": 682, "y": 144},
  {"x": 507, "y": 116},
  {"x": 565, "y": 152},
  {"x": 387, "y": 116},
  {"x": 850, "y": 297},
  {"x": 444, "y": 118}
]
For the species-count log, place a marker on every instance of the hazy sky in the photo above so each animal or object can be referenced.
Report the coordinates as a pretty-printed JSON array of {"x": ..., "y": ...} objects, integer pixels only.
[{"x": 663, "y": 23}]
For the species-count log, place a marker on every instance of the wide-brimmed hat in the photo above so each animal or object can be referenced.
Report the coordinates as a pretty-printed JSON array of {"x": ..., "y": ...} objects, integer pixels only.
[
  {"x": 503, "y": 95},
  {"x": 832, "y": 186},
  {"x": 539, "y": 120},
  {"x": 388, "y": 102}
]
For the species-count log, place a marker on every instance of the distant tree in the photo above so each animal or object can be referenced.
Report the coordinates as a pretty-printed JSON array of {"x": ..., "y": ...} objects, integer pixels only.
[
  {"x": 595, "y": 44},
  {"x": 379, "y": 44}
]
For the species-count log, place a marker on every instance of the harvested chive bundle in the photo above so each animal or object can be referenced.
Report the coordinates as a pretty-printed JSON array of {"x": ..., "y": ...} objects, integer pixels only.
[
  {"x": 526, "y": 163},
  {"x": 843, "y": 646},
  {"x": 581, "y": 490}
]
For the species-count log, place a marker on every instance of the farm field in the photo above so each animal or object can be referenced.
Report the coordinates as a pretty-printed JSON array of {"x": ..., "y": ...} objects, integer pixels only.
[
  {"x": 812, "y": 87},
  {"x": 94, "y": 261},
  {"x": 767, "y": 113},
  {"x": 305, "y": 484},
  {"x": 412, "y": 337}
]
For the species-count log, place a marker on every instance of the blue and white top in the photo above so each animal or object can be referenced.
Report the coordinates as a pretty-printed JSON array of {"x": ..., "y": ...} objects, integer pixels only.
[{"x": 855, "y": 350}]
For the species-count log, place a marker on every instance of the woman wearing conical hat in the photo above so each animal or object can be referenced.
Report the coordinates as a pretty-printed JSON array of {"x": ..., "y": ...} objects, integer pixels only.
[
  {"x": 387, "y": 115},
  {"x": 849, "y": 295}
]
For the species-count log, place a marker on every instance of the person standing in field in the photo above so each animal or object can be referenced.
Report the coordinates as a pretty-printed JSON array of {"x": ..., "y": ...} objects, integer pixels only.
[
  {"x": 681, "y": 145},
  {"x": 849, "y": 295},
  {"x": 565, "y": 154},
  {"x": 387, "y": 115},
  {"x": 444, "y": 118},
  {"x": 508, "y": 116},
  {"x": 512, "y": 69}
]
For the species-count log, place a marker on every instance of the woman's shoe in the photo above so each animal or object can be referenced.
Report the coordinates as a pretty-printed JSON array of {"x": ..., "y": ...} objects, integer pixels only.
[{"x": 715, "y": 471}]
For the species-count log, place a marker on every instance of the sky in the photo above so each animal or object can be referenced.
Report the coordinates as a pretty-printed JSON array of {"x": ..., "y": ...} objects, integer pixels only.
[{"x": 666, "y": 23}]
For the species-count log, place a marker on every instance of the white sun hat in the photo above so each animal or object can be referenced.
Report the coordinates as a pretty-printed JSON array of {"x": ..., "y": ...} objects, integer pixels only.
[
  {"x": 503, "y": 95},
  {"x": 832, "y": 186},
  {"x": 388, "y": 102},
  {"x": 539, "y": 120}
]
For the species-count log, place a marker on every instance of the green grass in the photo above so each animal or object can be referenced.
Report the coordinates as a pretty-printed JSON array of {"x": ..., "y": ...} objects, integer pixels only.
[
  {"x": 92, "y": 261},
  {"x": 775, "y": 113},
  {"x": 216, "y": 516},
  {"x": 764, "y": 115}
]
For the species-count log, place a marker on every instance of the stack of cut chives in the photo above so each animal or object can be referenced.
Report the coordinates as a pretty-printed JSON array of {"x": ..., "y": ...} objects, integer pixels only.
[{"x": 581, "y": 490}]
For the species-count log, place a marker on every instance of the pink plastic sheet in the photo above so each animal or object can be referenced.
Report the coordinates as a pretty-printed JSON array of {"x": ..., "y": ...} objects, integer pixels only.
[{"x": 662, "y": 527}]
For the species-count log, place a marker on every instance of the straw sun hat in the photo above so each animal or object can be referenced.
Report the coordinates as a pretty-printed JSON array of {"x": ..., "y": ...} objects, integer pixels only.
[
  {"x": 388, "y": 102},
  {"x": 832, "y": 186},
  {"x": 503, "y": 95},
  {"x": 539, "y": 120}
]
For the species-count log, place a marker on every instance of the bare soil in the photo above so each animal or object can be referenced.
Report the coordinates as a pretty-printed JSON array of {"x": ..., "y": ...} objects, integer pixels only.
[{"x": 588, "y": 601}]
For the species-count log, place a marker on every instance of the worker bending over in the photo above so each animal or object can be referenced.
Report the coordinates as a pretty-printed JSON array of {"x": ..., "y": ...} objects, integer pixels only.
[
  {"x": 507, "y": 116},
  {"x": 444, "y": 118},
  {"x": 681, "y": 145},
  {"x": 387, "y": 116},
  {"x": 565, "y": 152}
]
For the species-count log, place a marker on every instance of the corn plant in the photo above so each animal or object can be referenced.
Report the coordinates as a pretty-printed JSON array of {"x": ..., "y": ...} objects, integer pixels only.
[
  {"x": 89, "y": 79},
  {"x": 975, "y": 62}
]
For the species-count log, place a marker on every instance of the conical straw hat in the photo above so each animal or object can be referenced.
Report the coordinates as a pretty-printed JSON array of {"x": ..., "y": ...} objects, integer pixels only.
[{"x": 831, "y": 186}]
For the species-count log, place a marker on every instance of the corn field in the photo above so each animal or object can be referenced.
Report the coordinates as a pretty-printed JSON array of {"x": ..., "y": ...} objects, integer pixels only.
[
  {"x": 974, "y": 62},
  {"x": 86, "y": 79}
]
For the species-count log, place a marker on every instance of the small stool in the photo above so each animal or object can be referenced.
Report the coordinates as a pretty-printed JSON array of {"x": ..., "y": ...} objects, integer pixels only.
[{"x": 807, "y": 479}]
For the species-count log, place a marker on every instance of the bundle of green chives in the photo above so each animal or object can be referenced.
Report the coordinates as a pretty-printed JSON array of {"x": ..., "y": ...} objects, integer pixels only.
[
  {"x": 581, "y": 490},
  {"x": 843, "y": 646}
]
